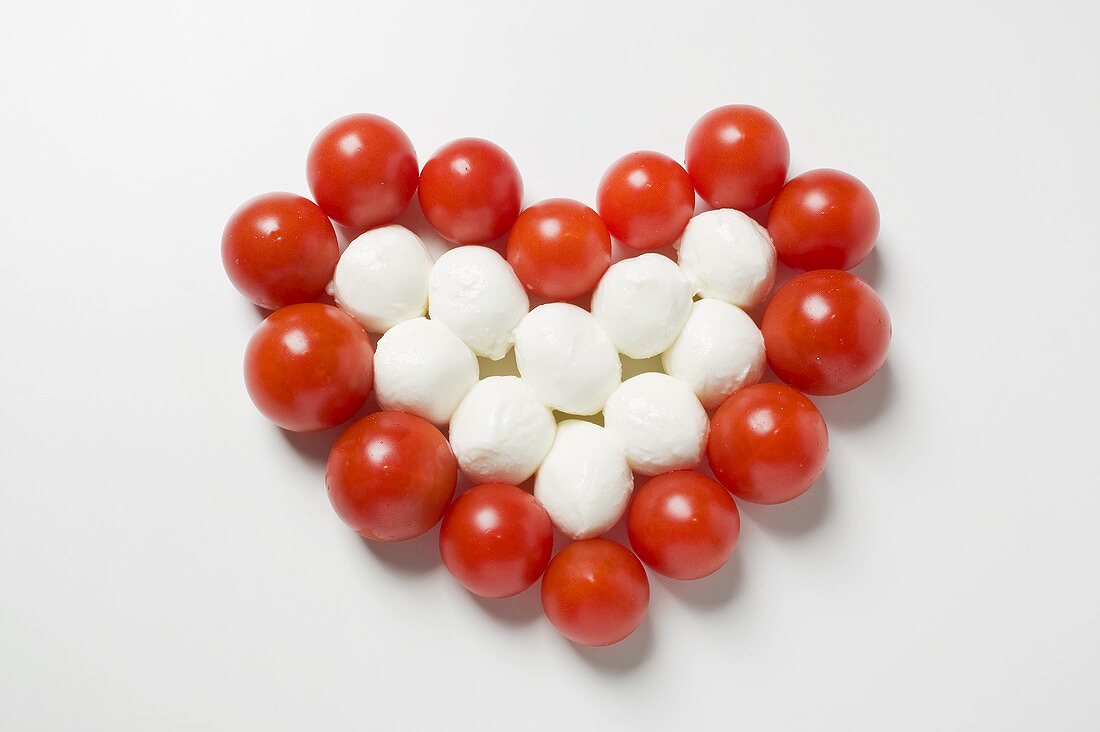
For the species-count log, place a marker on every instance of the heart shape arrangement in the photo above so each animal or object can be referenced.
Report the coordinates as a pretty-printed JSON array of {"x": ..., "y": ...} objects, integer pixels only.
[{"x": 392, "y": 475}]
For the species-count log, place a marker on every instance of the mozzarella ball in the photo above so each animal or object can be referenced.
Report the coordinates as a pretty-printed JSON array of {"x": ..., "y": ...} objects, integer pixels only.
[
  {"x": 474, "y": 292},
  {"x": 500, "y": 432},
  {"x": 659, "y": 423},
  {"x": 642, "y": 303},
  {"x": 566, "y": 358},
  {"x": 422, "y": 368},
  {"x": 719, "y": 351},
  {"x": 382, "y": 278},
  {"x": 728, "y": 256},
  {"x": 584, "y": 482}
]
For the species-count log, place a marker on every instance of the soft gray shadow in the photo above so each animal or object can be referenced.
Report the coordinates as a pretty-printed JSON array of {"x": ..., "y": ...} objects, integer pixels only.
[
  {"x": 871, "y": 269},
  {"x": 623, "y": 657},
  {"x": 411, "y": 557},
  {"x": 797, "y": 517},
  {"x": 861, "y": 405},
  {"x": 314, "y": 447},
  {"x": 713, "y": 591},
  {"x": 521, "y": 609}
]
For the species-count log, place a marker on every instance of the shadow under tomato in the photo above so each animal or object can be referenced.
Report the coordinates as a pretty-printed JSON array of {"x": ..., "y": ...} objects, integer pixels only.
[
  {"x": 623, "y": 657},
  {"x": 521, "y": 609},
  {"x": 711, "y": 592},
  {"x": 411, "y": 557},
  {"x": 794, "y": 518},
  {"x": 862, "y": 405}
]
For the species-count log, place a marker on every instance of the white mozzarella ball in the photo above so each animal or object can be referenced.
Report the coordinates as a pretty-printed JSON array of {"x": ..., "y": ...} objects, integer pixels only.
[
  {"x": 476, "y": 294},
  {"x": 584, "y": 482},
  {"x": 642, "y": 303},
  {"x": 566, "y": 358},
  {"x": 422, "y": 368},
  {"x": 659, "y": 423},
  {"x": 719, "y": 351},
  {"x": 500, "y": 432},
  {"x": 728, "y": 256},
  {"x": 382, "y": 278}
]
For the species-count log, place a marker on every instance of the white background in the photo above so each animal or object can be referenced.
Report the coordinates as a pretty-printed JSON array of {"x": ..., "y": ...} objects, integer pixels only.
[{"x": 169, "y": 560}]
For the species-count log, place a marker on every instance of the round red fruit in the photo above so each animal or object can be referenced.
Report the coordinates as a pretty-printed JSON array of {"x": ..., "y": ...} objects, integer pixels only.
[
  {"x": 737, "y": 157},
  {"x": 646, "y": 200},
  {"x": 470, "y": 191},
  {"x": 559, "y": 249}
]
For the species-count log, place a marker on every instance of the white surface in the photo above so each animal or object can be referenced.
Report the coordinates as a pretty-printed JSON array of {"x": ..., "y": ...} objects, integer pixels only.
[
  {"x": 584, "y": 482},
  {"x": 169, "y": 561}
]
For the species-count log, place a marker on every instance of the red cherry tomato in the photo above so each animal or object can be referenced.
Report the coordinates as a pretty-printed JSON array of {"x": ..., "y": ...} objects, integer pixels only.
[
  {"x": 362, "y": 170},
  {"x": 309, "y": 367},
  {"x": 559, "y": 249},
  {"x": 737, "y": 157},
  {"x": 683, "y": 524},
  {"x": 496, "y": 540},
  {"x": 767, "y": 443},
  {"x": 826, "y": 332},
  {"x": 646, "y": 200},
  {"x": 824, "y": 219},
  {"x": 279, "y": 249},
  {"x": 595, "y": 592},
  {"x": 391, "y": 475},
  {"x": 470, "y": 191}
]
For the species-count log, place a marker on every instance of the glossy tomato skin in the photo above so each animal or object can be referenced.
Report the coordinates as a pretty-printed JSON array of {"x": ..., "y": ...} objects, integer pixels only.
[
  {"x": 391, "y": 476},
  {"x": 767, "y": 444},
  {"x": 683, "y": 525},
  {"x": 309, "y": 367},
  {"x": 362, "y": 170},
  {"x": 279, "y": 249},
  {"x": 470, "y": 191},
  {"x": 559, "y": 249},
  {"x": 737, "y": 157},
  {"x": 595, "y": 592},
  {"x": 823, "y": 219},
  {"x": 496, "y": 540},
  {"x": 645, "y": 199},
  {"x": 826, "y": 332}
]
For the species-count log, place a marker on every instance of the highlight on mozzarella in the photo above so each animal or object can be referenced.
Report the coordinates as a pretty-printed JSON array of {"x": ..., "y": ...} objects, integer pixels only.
[
  {"x": 422, "y": 368},
  {"x": 382, "y": 278},
  {"x": 642, "y": 304},
  {"x": 719, "y": 351}
]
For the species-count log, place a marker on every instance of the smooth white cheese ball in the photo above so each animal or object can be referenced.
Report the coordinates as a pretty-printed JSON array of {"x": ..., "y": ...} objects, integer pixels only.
[
  {"x": 500, "y": 432},
  {"x": 659, "y": 423},
  {"x": 422, "y": 368},
  {"x": 642, "y": 303},
  {"x": 728, "y": 256},
  {"x": 382, "y": 278},
  {"x": 475, "y": 293},
  {"x": 719, "y": 351},
  {"x": 566, "y": 358},
  {"x": 584, "y": 482}
]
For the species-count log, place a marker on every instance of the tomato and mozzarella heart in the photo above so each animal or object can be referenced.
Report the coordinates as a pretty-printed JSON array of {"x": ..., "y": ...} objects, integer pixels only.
[
  {"x": 567, "y": 359},
  {"x": 659, "y": 423},
  {"x": 422, "y": 368},
  {"x": 474, "y": 292},
  {"x": 501, "y": 432},
  {"x": 642, "y": 304},
  {"x": 382, "y": 278},
  {"x": 584, "y": 482},
  {"x": 719, "y": 351},
  {"x": 728, "y": 256}
]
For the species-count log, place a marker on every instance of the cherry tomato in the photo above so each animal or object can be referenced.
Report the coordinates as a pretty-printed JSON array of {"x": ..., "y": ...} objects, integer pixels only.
[
  {"x": 683, "y": 524},
  {"x": 646, "y": 200},
  {"x": 737, "y": 156},
  {"x": 559, "y": 249},
  {"x": 496, "y": 540},
  {"x": 279, "y": 249},
  {"x": 826, "y": 332},
  {"x": 391, "y": 475},
  {"x": 595, "y": 592},
  {"x": 767, "y": 443},
  {"x": 309, "y": 367},
  {"x": 470, "y": 191},
  {"x": 362, "y": 170},
  {"x": 824, "y": 219}
]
